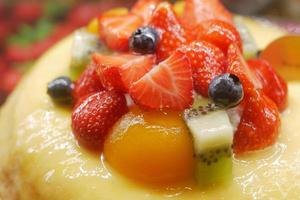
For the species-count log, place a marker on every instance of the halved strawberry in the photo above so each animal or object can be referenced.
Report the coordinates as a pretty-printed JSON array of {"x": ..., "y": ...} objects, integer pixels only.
[
  {"x": 221, "y": 34},
  {"x": 167, "y": 85},
  {"x": 273, "y": 84},
  {"x": 259, "y": 125},
  {"x": 88, "y": 83},
  {"x": 239, "y": 67},
  {"x": 197, "y": 11},
  {"x": 120, "y": 71},
  {"x": 207, "y": 61},
  {"x": 145, "y": 8},
  {"x": 171, "y": 33},
  {"x": 115, "y": 30}
]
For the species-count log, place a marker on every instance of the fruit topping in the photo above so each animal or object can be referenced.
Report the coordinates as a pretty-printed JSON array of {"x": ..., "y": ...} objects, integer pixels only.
[
  {"x": 88, "y": 83},
  {"x": 84, "y": 44},
  {"x": 259, "y": 125},
  {"x": 115, "y": 30},
  {"x": 198, "y": 11},
  {"x": 273, "y": 85},
  {"x": 212, "y": 135},
  {"x": 168, "y": 85},
  {"x": 144, "y": 40},
  {"x": 250, "y": 48},
  {"x": 171, "y": 34},
  {"x": 151, "y": 147},
  {"x": 207, "y": 61},
  {"x": 238, "y": 66},
  {"x": 60, "y": 90},
  {"x": 120, "y": 71},
  {"x": 94, "y": 116},
  {"x": 221, "y": 34},
  {"x": 226, "y": 90},
  {"x": 145, "y": 8}
]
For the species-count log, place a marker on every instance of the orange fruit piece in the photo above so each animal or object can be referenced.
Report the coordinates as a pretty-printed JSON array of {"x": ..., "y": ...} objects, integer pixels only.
[{"x": 153, "y": 147}]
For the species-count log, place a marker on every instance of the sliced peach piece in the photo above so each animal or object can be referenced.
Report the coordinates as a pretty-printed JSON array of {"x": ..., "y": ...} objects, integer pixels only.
[{"x": 151, "y": 147}]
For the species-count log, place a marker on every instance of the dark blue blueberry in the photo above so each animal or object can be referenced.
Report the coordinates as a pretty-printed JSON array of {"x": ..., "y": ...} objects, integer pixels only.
[
  {"x": 60, "y": 90},
  {"x": 144, "y": 40},
  {"x": 226, "y": 90}
]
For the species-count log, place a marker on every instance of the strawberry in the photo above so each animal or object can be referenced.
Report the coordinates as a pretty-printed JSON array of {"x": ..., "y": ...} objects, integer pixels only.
[
  {"x": 197, "y": 11},
  {"x": 120, "y": 71},
  {"x": 273, "y": 85},
  {"x": 88, "y": 83},
  {"x": 221, "y": 34},
  {"x": 27, "y": 11},
  {"x": 115, "y": 30},
  {"x": 95, "y": 115},
  {"x": 207, "y": 61},
  {"x": 167, "y": 85},
  {"x": 259, "y": 125},
  {"x": 171, "y": 33},
  {"x": 238, "y": 66},
  {"x": 145, "y": 8}
]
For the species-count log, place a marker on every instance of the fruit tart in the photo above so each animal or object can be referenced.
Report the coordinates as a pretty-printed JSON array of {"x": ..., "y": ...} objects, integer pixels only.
[{"x": 162, "y": 101}]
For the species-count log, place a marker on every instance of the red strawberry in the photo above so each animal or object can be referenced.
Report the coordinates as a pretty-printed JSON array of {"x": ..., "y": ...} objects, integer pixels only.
[
  {"x": 197, "y": 11},
  {"x": 120, "y": 71},
  {"x": 259, "y": 124},
  {"x": 171, "y": 33},
  {"x": 9, "y": 79},
  {"x": 92, "y": 119},
  {"x": 145, "y": 8},
  {"x": 167, "y": 85},
  {"x": 273, "y": 84},
  {"x": 238, "y": 66},
  {"x": 221, "y": 34},
  {"x": 207, "y": 61},
  {"x": 115, "y": 30},
  {"x": 88, "y": 83}
]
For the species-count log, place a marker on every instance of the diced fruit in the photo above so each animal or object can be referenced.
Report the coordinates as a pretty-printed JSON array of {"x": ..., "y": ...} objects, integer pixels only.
[
  {"x": 93, "y": 27},
  {"x": 170, "y": 31},
  {"x": 167, "y": 85},
  {"x": 198, "y": 11},
  {"x": 221, "y": 34},
  {"x": 238, "y": 66},
  {"x": 60, "y": 90},
  {"x": 144, "y": 40},
  {"x": 273, "y": 84},
  {"x": 226, "y": 90},
  {"x": 115, "y": 30},
  {"x": 145, "y": 8},
  {"x": 207, "y": 61},
  {"x": 87, "y": 84},
  {"x": 212, "y": 137},
  {"x": 259, "y": 126},
  {"x": 94, "y": 117},
  {"x": 151, "y": 147},
  {"x": 84, "y": 44},
  {"x": 179, "y": 7},
  {"x": 120, "y": 71},
  {"x": 250, "y": 48}
]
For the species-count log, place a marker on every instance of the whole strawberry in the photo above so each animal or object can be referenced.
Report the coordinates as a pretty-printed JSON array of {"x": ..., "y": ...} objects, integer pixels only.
[
  {"x": 94, "y": 116},
  {"x": 88, "y": 83},
  {"x": 273, "y": 85},
  {"x": 259, "y": 125},
  {"x": 207, "y": 61}
]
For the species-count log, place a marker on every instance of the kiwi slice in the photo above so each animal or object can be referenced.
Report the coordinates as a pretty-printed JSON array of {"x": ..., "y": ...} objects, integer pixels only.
[
  {"x": 249, "y": 46},
  {"x": 84, "y": 44},
  {"x": 212, "y": 135}
]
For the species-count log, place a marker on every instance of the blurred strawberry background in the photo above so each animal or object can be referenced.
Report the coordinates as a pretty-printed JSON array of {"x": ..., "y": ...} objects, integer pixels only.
[{"x": 28, "y": 28}]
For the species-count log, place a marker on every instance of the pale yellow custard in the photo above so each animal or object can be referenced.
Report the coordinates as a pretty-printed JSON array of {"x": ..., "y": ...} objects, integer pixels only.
[{"x": 40, "y": 159}]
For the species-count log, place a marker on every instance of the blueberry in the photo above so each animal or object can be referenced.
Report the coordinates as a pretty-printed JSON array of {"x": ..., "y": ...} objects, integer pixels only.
[
  {"x": 144, "y": 40},
  {"x": 226, "y": 90},
  {"x": 60, "y": 90}
]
